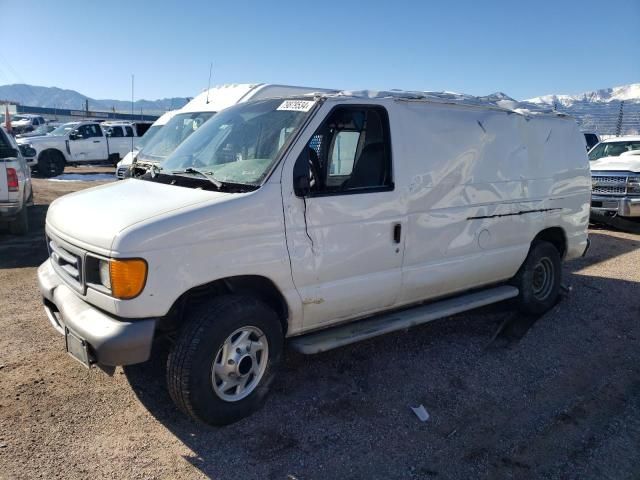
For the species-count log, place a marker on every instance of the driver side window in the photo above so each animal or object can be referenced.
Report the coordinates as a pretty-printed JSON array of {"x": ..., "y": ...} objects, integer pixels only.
[{"x": 349, "y": 153}]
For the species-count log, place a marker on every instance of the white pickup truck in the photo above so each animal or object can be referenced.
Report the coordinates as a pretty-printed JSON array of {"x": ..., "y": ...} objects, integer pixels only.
[
  {"x": 16, "y": 193},
  {"x": 615, "y": 178},
  {"x": 319, "y": 220},
  {"x": 75, "y": 143}
]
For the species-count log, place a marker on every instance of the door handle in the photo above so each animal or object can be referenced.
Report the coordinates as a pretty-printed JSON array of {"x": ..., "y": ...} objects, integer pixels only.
[
  {"x": 96, "y": 141},
  {"x": 397, "y": 232}
]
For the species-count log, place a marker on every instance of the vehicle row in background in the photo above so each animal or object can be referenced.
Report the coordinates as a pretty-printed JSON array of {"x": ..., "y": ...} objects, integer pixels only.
[{"x": 80, "y": 142}]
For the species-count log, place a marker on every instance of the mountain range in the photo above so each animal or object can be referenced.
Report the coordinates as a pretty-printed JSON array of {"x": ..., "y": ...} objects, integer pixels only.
[
  {"x": 598, "y": 111},
  {"x": 608, "y": 111},
  {"x": 54, "y": 97}
]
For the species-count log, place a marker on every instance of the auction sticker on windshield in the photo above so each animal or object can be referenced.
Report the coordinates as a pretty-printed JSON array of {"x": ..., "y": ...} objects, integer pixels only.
[{"x": 297, "y": 105}]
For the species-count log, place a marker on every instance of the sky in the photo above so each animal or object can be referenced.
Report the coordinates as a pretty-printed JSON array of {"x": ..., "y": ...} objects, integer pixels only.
[{"x": 522, "y": 48}]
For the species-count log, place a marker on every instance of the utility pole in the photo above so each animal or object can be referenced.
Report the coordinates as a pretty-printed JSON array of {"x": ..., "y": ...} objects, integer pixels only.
[
  {"x": 86, "y": 106},
  {"x": 620, "y": 117}
]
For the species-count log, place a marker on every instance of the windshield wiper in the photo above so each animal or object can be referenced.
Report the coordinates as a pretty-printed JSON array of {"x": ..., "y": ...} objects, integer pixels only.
[{"x": 208, "y": 175}]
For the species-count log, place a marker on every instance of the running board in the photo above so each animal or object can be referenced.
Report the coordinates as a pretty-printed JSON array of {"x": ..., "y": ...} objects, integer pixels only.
[{"x": 339, "y": 336}]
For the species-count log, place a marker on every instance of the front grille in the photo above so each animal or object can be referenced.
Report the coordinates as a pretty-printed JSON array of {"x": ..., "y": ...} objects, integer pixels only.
[
  {"x": 609, "y": 184},
  {"x": 67, "y": 261}
]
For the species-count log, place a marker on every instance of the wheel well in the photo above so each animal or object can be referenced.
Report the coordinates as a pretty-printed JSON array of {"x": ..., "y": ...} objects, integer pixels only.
[
  {"x": 54, "y": 151},
  {"x": 251, "y": 285},
  {"x": 556, "y": 237}
]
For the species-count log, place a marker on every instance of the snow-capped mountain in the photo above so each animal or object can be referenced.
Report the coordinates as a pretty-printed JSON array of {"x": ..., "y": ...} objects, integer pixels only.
[
  {"x": 608, "y": 111},
  {"x": 627, "y": 93}
]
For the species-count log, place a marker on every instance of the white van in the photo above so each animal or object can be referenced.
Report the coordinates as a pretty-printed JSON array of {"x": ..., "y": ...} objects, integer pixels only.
[
  {"x": 190, "y": 117},
  {"x": 322, "y": 220},
  {"x": 123, "y": 166}
]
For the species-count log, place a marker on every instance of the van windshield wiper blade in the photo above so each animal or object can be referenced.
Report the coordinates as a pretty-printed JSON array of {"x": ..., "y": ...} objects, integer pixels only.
[{"x": 208, "y": 175}]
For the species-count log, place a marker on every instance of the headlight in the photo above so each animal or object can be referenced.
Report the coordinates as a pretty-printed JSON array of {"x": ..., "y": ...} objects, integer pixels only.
[
  {"x": 125, "y": 278},
  {"x": 633, "y": 185},
  {"x": 105, "y": 275}
]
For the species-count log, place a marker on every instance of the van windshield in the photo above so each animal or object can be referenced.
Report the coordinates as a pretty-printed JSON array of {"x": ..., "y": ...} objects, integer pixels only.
[
  {"x": 240, "y": 144},
  {"x": 148, "y": 135},
  {"x": 613, "y": 149},
  {"x": 176, "y": 131}
]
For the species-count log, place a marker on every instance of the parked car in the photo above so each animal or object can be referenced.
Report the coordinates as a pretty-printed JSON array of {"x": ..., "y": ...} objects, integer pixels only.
[
  {"x": 75, "y": 143},
  {"x": 615, "y": 177},
  {"x": 322, "y": 220},
  {"x": 123, "y": 166},
  {"x": 24, "y": 123},
  {"x": 16, "y": 193},
  {"x": 190, "y": 117}
]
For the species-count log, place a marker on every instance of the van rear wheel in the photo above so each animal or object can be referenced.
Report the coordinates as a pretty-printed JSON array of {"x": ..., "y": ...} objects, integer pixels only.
[
  {"x": 223, "y": 362},
  {"x": 539, "y": 279}
]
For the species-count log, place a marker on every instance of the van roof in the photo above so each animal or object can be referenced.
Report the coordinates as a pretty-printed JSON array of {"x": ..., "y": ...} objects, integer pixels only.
[{"x": 499, "y": 102}]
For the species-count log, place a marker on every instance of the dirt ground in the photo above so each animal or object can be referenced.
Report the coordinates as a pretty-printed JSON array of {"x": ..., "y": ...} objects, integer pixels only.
[{"x": 557, "y": 398}]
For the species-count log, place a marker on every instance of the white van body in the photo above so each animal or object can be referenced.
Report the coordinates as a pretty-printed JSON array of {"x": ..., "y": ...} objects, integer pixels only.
[
  {"x": 468, "y": 193},
  {"x": 205, "y": 105}
]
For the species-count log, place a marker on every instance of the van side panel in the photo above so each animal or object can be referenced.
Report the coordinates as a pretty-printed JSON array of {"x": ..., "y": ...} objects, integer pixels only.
[{"x": 479, "y": 185}]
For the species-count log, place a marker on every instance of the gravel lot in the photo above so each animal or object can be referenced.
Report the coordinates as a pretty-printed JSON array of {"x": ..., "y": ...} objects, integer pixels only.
[{"x": 556, "y": 398}]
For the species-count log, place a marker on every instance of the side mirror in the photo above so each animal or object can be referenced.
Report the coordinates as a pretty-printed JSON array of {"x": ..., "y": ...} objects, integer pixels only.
[
  {"x": 301, "y": 185},
  {"x": 74, "y": 136}
]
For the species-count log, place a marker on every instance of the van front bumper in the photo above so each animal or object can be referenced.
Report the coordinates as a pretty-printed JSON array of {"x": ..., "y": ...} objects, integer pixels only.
[
  {"x": 109, "y": 340},
  {"x": 623, "y": 206}
]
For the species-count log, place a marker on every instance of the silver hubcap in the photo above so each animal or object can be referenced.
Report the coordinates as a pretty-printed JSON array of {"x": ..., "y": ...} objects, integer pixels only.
[
  {"x": 543, "y": 278},
  {"x": 240, "y": 364}
]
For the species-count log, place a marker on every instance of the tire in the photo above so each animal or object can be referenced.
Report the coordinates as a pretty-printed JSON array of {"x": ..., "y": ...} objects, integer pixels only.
[
  {"x": 20, "y": 225},
  {"x": 51, "y": 164},
  {"x": 539, "y": 279},
  {"x": 197, "y": 365}
]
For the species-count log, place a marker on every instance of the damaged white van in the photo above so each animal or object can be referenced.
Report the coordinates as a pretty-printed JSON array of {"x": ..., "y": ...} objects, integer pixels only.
[{"x": 317, "y": 221}]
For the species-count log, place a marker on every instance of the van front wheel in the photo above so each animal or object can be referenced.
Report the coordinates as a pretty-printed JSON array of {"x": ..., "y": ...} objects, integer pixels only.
[
  {"x": 539, "y": 279},
  {"x": 221, "y": 366}
]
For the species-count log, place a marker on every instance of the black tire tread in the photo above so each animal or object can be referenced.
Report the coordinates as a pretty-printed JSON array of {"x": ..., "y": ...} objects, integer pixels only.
[
  {"x": 179, "y": 362},
  {"x": 529, "y": 306}
]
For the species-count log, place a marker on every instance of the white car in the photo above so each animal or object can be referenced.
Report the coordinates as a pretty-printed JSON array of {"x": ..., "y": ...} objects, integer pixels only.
[
  {"x": 320, "y": 220},
  {"x": 615, "y": 176},
  {"x": 77, "y": 143},
  {"x": 25, "y": 123}
]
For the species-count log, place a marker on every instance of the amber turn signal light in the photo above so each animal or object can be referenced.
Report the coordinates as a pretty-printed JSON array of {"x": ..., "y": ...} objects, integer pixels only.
[{"x": 127, "y": 277}]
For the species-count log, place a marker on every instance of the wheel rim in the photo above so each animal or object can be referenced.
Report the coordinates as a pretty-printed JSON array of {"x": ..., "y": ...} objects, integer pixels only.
[
  {"x": 543, "y": 278},
  {"x": 239, "y": 364}
]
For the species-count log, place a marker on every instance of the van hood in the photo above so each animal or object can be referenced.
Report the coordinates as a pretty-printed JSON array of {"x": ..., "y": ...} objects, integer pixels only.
[
  {"x": 623, "y": 163},
  {"x": 94, "y": 217}
]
